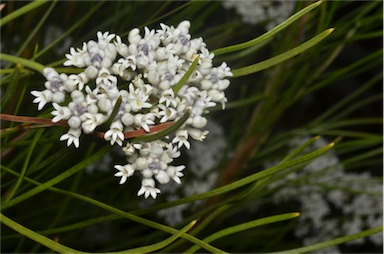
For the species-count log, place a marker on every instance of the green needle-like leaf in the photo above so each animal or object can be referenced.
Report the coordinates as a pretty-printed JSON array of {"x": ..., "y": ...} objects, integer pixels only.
[
  {"x": 114, "y": 111},
  {"x": 333, "y": 242},
  {"x": 36, "y": 236},
  {"x": 245, "y": 226},
  {"x": 57, "y": 179},
  {"x": 186, "y": 75},
  {"x": 268, "y": 34},
  {"x": 25, "y": 9},
  {"x": 282, "y": 57},
  {"x": 162, "y": 244},
  {"x": 125, "y": 214}
]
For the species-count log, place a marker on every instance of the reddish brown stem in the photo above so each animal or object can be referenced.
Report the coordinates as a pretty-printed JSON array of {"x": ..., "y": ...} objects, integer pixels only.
[{"x": 48, "y": 122}]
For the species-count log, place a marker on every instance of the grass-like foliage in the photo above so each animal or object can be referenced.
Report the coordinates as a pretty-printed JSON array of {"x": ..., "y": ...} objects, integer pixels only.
[{"x": 292, "y": 164}]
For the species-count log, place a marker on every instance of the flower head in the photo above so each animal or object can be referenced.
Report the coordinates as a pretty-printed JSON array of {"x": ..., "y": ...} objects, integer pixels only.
[{"x": 133, "y": 84}]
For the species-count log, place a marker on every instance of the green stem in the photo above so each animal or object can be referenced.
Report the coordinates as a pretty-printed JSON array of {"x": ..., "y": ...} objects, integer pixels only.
[{"x": 26, "y": 62}]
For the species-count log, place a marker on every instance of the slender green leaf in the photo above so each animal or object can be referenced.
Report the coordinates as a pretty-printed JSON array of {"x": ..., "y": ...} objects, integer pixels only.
[
  {"x": 114, "y": 111},
  {"x": 33, "y": 33},
  {"x": 25, "y": 166},
  {"x": 25, "y": 9},
  {"x": 282, "y": 57},
  {"x": 186, "y": 75},
  {"x": 268, "y": 34},
  {"x": 245, "y": 226},
  {"x": 162, "y": 244},
  {"x": 244, "y": 181},
  {"x": 125, "y": 214},
  {"x": 301, "y": 148},
  {"x": 333, "y": 242},
  {"x": 37, "y": 237},
  {"x": 57, "y": 179},
  {"x": 76, "y": 25}
]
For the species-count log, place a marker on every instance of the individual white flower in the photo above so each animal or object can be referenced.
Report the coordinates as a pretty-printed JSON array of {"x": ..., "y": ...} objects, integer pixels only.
[
  {"x": 76, "y": 57},
  {"x": 91, "y": 72},
  {"x": 137, "y": 99},
  {"x": 168, "y": 97},
  {"x": 42, "y": 98},
  {"x": 181, "y": 139},
  {"x": 148, "y": 188},
  {"x": 141, "y": 163},
  {"x": 175, "y": 173},
  {"x": 105, "y": 79},
  {"x": 162, "y": 177},
  {"x": 60, "y": 113},
  {"x": 74, "y": 122},
  {"x": 166, "y": 113},
  {"x": 127, "y": 119},
  {"x": 197, "y": 134},
  {"x": 115, "y": 133},
  {"x": 124, "y": 172},
  {"x": 199, "y": 122},
  {"x": 104, "y": 39},
  {"x": 129, "y": 149},
  {"x": 143, "y": 120},
  {"x": 172, "y": 152},
  {"x": 72, "y": 137},
  {"x": 121, "y": 47},
  {"x": 105, "y": 104},
  {"x": 91, "y": 122}
]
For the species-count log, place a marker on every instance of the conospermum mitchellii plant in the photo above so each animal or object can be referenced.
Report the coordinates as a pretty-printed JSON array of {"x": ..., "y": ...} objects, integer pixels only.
[{"x": 160, "y": 77}]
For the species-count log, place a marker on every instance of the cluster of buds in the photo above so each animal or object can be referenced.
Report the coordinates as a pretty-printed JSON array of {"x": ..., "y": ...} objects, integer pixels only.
[{"x": 161, "y": 77}]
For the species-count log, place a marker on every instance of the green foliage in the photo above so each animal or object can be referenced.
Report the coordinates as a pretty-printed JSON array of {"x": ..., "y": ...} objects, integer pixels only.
[{"x": 312, "y": 75}]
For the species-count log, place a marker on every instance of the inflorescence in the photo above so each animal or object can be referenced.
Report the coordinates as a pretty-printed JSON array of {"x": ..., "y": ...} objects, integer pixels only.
[{"x": 135, "y": 86}]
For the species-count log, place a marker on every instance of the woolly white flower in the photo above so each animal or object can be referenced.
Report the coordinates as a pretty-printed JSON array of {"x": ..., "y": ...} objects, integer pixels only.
[
  {"x": 143, "y": 121},
  {"x": 105, "y": 79},
  {"x": 137, "y": 99},
  {"x": 166, "y": 113},
  {"x": 115, "y": 133},
  {"x": 72, "y": 137},
  {"x": 42, "y": 98},
  {"x": 124, "y": 172},
  {"x": 175, "y": 173},
  {"x": 76, "y": 57},
  {"x": 168, "y": 98},
  {"x": 148, "y": 188},
  {"x": 181, "y": 139},
  {"x": 91, "y": 122},
  {"x": 60, "y": 113}
]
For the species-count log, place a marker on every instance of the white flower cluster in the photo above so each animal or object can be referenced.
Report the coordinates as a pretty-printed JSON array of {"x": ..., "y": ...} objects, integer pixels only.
[
  {"x": 143, "y": 75},
  {"x": 323, "y": 188},
  {"x": 271, "y": 12}
]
